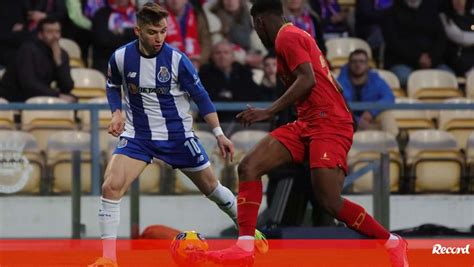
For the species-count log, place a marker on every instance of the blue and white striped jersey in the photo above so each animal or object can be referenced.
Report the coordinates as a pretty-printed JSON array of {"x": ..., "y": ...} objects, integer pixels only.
[{"x": 157, "y": 92}]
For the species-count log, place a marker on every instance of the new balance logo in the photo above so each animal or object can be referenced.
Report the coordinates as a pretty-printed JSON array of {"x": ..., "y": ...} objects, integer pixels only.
[
  {"x": 131, "y": 75},
  {"x": 201, "y": 158}
]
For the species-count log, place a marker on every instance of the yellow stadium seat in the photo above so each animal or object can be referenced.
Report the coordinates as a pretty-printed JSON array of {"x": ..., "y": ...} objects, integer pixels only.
[
  {"x": 392, "y": 80},
  {"x": 470, "y": 85},
  {"x": 470, "y": 158},
  {"x": 367, "y": 147},
  {"x": 18, "y": 144},
  {"x": 348, "y": 3},
  {"x": 42, "y": 123},
  {"x": 88, "y": 83},
  {"x": 470, "y": 148},
  {"x": 435, "y": 161},
  {"x": 338, "y": 50},
  {"x": 410, "y": 120},
  {"x": 59, "y": 159},
  {"x": 74, "y": 52},
  {"x": 6, "y": 117},
  {"x": 150, "y": 178},
  {"x": 433, "y": 85},
  {"x": 104, "y": 120},
  {"x": 459, "y": 123}
]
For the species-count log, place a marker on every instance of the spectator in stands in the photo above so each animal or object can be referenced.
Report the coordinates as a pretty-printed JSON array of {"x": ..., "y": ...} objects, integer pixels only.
[
  {"x": 361, "y": 84},
  {"x": 235, "y": 25},
  {"x": 303, "y": 17},
  {"x": 40, "y": 9},
  {"x": 369, "y": 15},
  {"x": 414, "y": 38},
  {"x": 37, "y": 65},
  {"x": 227, "y": 80},
  {"x": 335, "y": 23},
  {"x": 270, "y": 86},
  {"x": 458, "y": 21},
  {"x": 112, "y": 27},
  {"x": 79, "y": 25},
  {"x": 184, "y": 30},
  {"x": 13, "y": 30}
]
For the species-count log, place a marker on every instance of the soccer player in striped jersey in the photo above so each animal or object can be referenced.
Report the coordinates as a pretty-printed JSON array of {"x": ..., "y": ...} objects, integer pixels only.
[{"x": 158, "y": 82}]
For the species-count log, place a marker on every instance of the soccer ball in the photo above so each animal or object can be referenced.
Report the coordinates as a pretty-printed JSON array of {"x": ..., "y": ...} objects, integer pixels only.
[{"x": 186, "y": 246}]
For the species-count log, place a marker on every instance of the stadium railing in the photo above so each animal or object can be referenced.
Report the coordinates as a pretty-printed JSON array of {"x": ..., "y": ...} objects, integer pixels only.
[{"x": 381, "y": 191}]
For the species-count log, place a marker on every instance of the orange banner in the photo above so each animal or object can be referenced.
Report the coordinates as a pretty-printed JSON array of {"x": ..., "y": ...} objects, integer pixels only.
[{"x": 422, "y": 252}]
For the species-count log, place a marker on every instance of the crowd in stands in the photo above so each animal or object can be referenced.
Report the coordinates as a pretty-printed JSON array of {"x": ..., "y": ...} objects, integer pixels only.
[
  {"x": 218, "y": 36},
  {"x": 400, "y": 38}
]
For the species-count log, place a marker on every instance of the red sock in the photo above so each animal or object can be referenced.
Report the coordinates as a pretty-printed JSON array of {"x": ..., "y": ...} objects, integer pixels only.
[
  {"x": 356, "y": 218},
  {"x": 248, "y": 203}
]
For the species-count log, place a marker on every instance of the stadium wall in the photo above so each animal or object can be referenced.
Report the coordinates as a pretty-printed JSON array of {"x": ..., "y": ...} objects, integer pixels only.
[{"x": 50, "y": 217}]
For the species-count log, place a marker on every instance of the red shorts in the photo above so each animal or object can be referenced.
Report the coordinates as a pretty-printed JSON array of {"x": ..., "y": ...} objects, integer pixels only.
[{"x": 326, "y": 147}]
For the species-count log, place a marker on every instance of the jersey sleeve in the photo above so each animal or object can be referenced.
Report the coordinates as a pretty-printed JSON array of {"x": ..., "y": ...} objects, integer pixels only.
[
  {"x": 294, "y": 49},
  {"x": 113, "y": 86},
  {"x": 190, "y": 82}
]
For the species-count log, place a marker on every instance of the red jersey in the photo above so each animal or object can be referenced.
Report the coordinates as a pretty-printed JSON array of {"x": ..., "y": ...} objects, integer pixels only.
[{"x": 326, "y": 103}]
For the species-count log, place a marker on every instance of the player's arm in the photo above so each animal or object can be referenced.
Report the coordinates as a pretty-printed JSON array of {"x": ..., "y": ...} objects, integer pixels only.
[
  {"x": 114, "y": 97},
  {"x": 189, "y": 81},
  {"x": 300, "y": 88},
  {"x": 293, "y": 48}
]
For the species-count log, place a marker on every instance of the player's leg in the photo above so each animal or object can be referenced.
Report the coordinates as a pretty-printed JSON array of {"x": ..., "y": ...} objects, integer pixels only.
[
  {"x": 327, "y": 187},
  {"x": 268, "y": 154},
  {"x": 206, "y": 181},
  {"x": 282, "y": 146},
  {"x": 328, "y": 169},
  {"x": 328, "y": 155},
  {"x": 120, "y": 173},
  {"x": 125, "y": 166}
]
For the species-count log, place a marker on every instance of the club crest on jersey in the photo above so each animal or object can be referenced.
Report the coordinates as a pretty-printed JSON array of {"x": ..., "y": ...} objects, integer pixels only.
[{"x": 164, "y": 75}]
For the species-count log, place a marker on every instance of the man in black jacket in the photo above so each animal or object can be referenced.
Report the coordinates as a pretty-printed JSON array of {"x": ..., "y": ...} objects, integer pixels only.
[
  {"x": 414, "y": 37},
  {"x": 226, "y": 80},
  {"x": 38, "y": 63}
]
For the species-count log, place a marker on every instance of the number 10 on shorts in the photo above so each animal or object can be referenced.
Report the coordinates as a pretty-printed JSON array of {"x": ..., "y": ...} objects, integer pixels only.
[{"x": 193, "y": 147}]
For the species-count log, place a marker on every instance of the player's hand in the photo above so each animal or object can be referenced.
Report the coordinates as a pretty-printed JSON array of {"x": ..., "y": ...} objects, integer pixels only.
[
  {"x": 226, "y": 147},
  {"x": 252, "y": 115},
  {"x": 117, "y": 124}
]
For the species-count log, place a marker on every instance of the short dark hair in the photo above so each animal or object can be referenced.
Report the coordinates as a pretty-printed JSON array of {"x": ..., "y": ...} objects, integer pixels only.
[
  {"x": 359, "y": 52},
  {"x": 266, "y": 6},
  {"x": 151, "y": 13},
  {"x": 47, "y": 20},
  {"x": 270, "y": 54}
]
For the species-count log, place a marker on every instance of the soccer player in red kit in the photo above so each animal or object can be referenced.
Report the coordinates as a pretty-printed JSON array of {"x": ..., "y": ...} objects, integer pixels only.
[{"x": 323, "y": 131}]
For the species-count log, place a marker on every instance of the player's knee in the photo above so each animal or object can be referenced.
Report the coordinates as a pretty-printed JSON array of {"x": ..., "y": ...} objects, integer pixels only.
[
  {"x": 246, "y": 171},
  {"x": 110, "y": 188}
]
